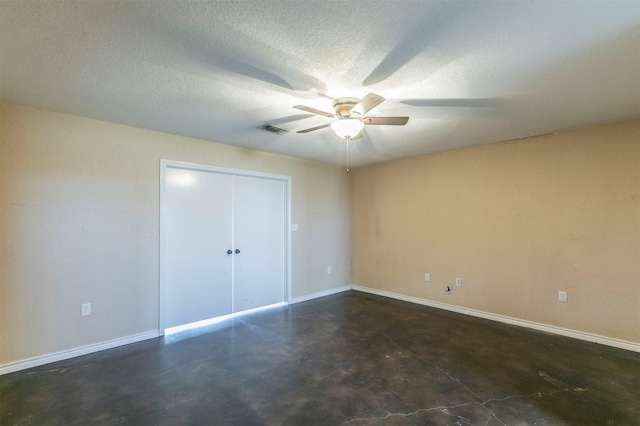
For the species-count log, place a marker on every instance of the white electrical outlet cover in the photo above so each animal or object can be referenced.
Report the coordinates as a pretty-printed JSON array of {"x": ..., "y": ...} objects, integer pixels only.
[
  {"x": 85, "y": 309},
  {"x": 427, "y": 277},
  {"x": 562, "y": 296}
]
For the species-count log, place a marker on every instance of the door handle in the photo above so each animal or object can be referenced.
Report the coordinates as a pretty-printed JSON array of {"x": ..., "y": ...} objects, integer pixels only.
[
  {"x": 229, "y": 252},
  {"x": 237, "y": 251}
]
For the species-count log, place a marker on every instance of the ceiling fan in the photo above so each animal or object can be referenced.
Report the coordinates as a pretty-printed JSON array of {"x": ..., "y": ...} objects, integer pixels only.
[{"x": 349, "y": 119}]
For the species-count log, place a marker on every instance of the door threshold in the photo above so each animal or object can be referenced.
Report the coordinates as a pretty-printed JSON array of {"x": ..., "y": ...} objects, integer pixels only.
[{"x": 216, "y": 320}]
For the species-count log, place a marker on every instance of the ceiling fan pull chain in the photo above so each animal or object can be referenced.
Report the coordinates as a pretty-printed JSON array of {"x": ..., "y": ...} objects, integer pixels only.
[{"x": 348, "y": 138}]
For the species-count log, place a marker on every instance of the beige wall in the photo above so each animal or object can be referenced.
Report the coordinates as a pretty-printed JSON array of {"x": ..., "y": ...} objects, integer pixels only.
[
  {"x": 79, "y": 219},
  {"x": 517, "y": 221}
]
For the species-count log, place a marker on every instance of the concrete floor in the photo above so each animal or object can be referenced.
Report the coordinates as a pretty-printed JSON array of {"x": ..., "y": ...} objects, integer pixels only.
[{"x": 346, "y": 359}]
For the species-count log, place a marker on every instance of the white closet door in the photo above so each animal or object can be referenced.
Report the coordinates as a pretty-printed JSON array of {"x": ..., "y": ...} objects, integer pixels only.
[
  {"x": 259, "y": 226},
  {"x": 198, "y": 209}
]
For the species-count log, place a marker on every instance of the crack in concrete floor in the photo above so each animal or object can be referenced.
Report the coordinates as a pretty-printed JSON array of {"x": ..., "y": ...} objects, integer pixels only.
[
  {"x": 445, "y": 408},
  {"x": 482, "y": 402}
]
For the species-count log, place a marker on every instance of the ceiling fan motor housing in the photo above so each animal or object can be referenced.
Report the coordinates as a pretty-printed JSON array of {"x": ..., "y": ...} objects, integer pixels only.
[{"x": 343, "y": 106}]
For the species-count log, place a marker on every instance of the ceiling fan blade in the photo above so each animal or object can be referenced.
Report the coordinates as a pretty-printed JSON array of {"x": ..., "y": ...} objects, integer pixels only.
[
  {"x": 366, "y": 104},
  {"x": 395, "y": 121},
  {"x": 313, "y": 111},
  {"x": 314, "y": 128}
]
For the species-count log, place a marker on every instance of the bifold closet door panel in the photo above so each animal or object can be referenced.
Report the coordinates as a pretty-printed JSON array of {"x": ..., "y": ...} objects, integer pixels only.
[
  {"x": 259, "y": 233},
  {"x": 198, "y": 220}
]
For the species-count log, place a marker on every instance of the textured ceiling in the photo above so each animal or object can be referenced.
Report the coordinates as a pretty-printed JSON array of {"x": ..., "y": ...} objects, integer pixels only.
[{"x": 466, "y": 73}]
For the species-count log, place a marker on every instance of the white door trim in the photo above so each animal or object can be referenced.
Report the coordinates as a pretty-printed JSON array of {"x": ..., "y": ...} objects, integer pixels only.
[{"x": 164, "y": 164}]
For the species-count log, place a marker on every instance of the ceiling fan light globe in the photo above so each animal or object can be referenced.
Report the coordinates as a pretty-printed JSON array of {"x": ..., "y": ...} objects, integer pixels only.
[{"x": 347, "y": 127}]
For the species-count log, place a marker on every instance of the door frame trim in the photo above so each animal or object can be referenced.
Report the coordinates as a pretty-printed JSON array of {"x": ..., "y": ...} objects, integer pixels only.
[{"x": 164, "y": 164}]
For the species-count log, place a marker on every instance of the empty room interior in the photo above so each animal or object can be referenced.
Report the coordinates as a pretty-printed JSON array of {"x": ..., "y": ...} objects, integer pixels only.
[{"x": 319, "y": 213}]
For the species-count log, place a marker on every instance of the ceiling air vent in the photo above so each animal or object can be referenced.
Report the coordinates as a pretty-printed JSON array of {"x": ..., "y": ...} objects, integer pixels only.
[{"x": 272, "y": 129}]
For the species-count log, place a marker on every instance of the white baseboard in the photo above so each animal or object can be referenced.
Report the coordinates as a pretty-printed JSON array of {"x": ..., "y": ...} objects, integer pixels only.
[
  {"x": 616, "y": 343},
  {"x": 71, "y": 353},
  {"x": 85, "y": 350},
  {"x": 320, "y": 294}
]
